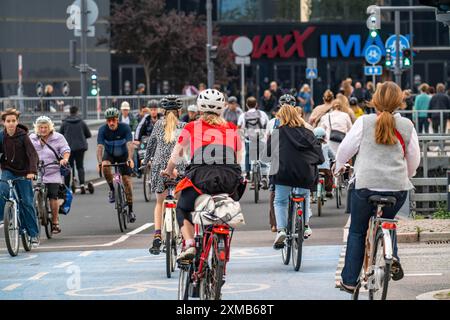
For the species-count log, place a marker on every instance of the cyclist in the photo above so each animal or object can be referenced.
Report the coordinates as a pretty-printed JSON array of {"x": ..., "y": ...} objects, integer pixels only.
[
  {"x": 160, "y": 145},
  {"x": 115, "y": 144},
  {"x": 191, "y": 114},
  {"x": 329, "y": 156},
  {"x": 215, "y": 151},
  {"x": 387, "y": 155},
  {"x": 19, "y": 159},
  {"x": 295, "y": 154},
  {"x": 323, "y": 109},
  {"x": 51, "y": 146},
  {"x": 252, "y": 123}
]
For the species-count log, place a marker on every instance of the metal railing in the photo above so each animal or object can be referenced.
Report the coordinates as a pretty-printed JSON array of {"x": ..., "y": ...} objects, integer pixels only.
[
  {"x": 58, "y": 107},
  {"x": 443, "y": 116}
]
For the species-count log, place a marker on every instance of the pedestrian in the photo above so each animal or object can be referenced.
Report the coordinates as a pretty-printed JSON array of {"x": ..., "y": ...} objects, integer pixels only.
[
  {"x": 408, "y": 103},
  {"x": 51, "y": 146},
  {"x": 296, "y": 153},
  {"x": 440, "y": 101},
  {"x": 368, "y": 108},
  {"x": 337, "y": 122},
  {"x": 140, "y": 89},
  {"x": 275, "y": 90},
  {"x": 305, "y": 99},
  {"x": 387, "y": 156},
  {"x": 233, "y": 111},
  {"x": 191, "y": 114},
  {"x": 355, "y": 107},
  {"x": 19, "y": 159},
  {"x": 346, "y": 106},
  {"x": 143, "y": 111},
  {"x": 422, "y": 103},
  {"x": 329, "y": 157},
  {"x": 125, "y": 115},
  {"x": 189, "y": 90},
  {"x": 268, "y": 103},
  {"x": 322, "y": 109},
  {"x": 76, "y": 132},
  {"x": 358, "y": 92}
]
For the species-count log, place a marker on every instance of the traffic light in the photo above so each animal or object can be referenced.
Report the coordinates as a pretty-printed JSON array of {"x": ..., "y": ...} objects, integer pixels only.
[
  {"x": 94, "y": 85},
  {"x": 406, "y": 58},
  {"x": 374, "y": 21},
  {"x": 212, "y": 52},
  {"x": 388, "y": 61},
  {"x": 441, "y": 5}
]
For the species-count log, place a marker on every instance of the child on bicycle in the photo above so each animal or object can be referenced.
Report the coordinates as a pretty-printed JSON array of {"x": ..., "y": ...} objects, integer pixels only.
[
  {"x": 19, "y": 159},
  {"x": 329, "y": 156}
]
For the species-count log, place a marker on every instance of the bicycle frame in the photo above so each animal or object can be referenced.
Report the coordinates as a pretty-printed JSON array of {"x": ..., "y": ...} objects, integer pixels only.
[{"x": 170, "y": 222}]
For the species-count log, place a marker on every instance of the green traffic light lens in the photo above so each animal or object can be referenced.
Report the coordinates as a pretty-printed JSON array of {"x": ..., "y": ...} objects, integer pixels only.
[
  {"x": 388, "y": 63},
  {"x": 94, "y": 92},
  {"x": 407, "y": 62},
  {"x": 373, "y": 34}
]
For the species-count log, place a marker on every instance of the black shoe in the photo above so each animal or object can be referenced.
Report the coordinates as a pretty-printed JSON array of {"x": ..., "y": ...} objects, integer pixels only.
[
  {"x": 132, "y": 217},
  {"x": 329, "y": 195},
  {"x": 396, "y": 270},
  {"x": 156, "y": 248},
  {"x": 82, "y": 189}
]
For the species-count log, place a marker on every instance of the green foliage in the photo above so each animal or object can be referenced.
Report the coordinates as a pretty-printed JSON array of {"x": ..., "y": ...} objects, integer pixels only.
[
  {"x": 332, "y": 10},
  {"x": 442, "y": 212}
]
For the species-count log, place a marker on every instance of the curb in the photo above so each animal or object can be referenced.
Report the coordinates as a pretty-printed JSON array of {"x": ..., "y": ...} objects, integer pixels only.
[
  {"x": 431, "y": 295},
  {"x": 434, "y": 236}
]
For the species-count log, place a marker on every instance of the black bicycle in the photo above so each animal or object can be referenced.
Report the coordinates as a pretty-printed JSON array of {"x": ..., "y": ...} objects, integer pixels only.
[
  {"x": 41, "y": 203},
  {"x": 295, "y": 231}
]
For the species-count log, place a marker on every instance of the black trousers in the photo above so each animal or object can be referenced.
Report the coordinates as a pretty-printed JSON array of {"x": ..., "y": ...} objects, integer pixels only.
[{"x": 76, "y": 160}]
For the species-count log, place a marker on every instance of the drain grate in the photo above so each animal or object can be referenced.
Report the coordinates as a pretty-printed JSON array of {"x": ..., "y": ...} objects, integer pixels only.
[{"x": 438, "y": 242}]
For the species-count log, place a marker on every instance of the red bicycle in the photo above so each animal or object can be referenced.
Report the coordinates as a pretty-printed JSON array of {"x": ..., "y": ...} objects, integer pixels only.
[{"x": 204, "y": 277}]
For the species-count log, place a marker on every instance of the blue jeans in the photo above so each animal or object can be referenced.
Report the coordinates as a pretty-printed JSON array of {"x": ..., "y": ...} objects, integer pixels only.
[
  {"x": 264, "y": 166},
  {"x": 27, "y": 211},
  {"x": 361, "y": 211},
  {"x": 281, "y": 204}
]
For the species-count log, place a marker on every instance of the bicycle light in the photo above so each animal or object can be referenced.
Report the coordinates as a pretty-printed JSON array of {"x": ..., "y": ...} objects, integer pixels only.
[
  {"x": 389, "y": 226},
  {"x": 300, "y": 212}
]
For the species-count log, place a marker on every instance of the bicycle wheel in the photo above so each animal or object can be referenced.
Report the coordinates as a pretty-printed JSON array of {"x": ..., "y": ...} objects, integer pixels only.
[
  {"x": 337, "y": 194},
  {"x": 175, "y": 244},
  {"x": 11, "y": 228},
  {"x": 120, "y": 207},
  {"x": 298, "y": 229},
  {"x": 217, "y": 266},
  {"x": 319, "y": 200},
  {"x": 48, "y": 214},
  {"x": 147, "y": 184},
  {"x": 184, "y": 282},
  {"x": 257, "y": 181},
  {"x": 379, "y": 280},
  {"x": 169, "y": 256},
  {"x": 286, "y": 251},
  {"x": 26, "y": 240}
]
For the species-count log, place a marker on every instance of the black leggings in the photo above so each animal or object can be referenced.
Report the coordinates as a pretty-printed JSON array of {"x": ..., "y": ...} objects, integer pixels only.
[
  {"x": 78, "y": 158},
  {"x": 185, "y": 205}
]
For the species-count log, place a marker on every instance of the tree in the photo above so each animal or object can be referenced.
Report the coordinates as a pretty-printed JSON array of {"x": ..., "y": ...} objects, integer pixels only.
[{"x": 174, "y": 43}]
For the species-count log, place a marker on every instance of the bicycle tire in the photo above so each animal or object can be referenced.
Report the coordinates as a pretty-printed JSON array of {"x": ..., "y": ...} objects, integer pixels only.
[
  {"x": 286, "y": 251},
  {"x": 174, "y": 254},
  {"x": 298, "y": 228},
  {"x": 147, "y": 184},
  {"x": 256, "y": 181},
  {"x": 48, "y": 213},
  {"x": 319, "y": 201},
  {"x": 379, "y": 248},
  {"x": 169, "y": 257},
  {"x": 91, "y": 187},
  {"x": 119, "y": 207},
  {"x": 26, "y": 241},
  {"x": 337, "y": 195},
  {"x": 217, "y": 266},
  {"x": 184, "y": 281},
  {"x": 11, "y": 231}
]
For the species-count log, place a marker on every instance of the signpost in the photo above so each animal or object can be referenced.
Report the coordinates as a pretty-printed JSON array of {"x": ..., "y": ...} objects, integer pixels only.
[
  {"x": 373, "y": 56},
  {"x": 242, "y": 47},
  {"x": 311, "y": 72}
]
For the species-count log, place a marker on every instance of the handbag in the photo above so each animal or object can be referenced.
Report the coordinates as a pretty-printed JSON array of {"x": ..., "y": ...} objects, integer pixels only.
[
  {"x": 66, "y": 170},
  {"x": 335, "y": 135}
]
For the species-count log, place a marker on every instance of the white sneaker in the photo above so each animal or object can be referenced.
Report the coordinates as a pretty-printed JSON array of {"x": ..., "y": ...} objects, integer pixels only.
[
  {"x": 307, "y": 233},
  {"x": 279, "y": 240},
  {"x": 187, "y": 254}
]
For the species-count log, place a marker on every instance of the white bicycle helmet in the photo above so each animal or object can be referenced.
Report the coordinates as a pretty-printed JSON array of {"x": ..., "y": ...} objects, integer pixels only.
[
  {"x": 320, "y": 133},
  {"x": 44, "y": 119},
  {"x": 211, "y": 101}
]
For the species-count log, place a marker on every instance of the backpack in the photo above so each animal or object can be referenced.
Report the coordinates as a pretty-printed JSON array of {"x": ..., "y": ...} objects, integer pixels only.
[
  {"x": 218, "y": 209},
  {"x": 253, "y": 120}
]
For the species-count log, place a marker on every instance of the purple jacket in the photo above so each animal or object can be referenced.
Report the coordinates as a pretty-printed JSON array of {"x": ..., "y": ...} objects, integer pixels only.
[{"x": 59, "y": 143}]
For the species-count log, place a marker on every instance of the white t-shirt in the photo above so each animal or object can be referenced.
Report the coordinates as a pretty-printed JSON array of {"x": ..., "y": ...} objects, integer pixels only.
[
  {"x": 126, "y": 120},
  {"x": 263, "y": 115}
]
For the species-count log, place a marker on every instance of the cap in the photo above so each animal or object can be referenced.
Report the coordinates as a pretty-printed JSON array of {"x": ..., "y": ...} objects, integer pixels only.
[
  {"x": 232, "y": 99},
  {"x": 125, "y": 106}
]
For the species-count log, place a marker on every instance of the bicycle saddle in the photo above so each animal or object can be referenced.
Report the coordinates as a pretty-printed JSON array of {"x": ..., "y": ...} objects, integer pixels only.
[{"x": 387, "y": 201}]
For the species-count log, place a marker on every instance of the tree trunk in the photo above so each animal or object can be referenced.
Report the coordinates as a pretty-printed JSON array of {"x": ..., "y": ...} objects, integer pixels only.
[{"x": 147, "y": 72}]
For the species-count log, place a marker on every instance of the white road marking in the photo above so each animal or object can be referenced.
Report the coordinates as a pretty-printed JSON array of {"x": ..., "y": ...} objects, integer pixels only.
[
  {"x": 63, "y": 265},
  {"x": 85, "y": 253},
  {"x": 422, "y": 274},
  {"x": 99, "y": 183},
  {"x": 12, "y": 287},
  {"x": 109, "y": 244},
  {"x": 141, "y": 228},
  {"x": 38, "y": 276}
]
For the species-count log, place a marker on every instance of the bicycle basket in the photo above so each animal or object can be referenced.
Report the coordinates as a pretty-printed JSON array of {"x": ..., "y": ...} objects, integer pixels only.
[{"x": 218, "y": 209}]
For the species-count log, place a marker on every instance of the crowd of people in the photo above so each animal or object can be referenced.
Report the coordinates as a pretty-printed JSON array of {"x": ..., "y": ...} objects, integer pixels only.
[{"x": 293, "y": 139}]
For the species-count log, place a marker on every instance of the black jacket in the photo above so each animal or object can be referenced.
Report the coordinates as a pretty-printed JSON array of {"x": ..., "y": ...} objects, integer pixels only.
[
  {"x": 18, "y": 153},
  {"x": 440, "y": 101},
  {"x": 76, "y": 131},
  {"x": 294, "y": 154}
]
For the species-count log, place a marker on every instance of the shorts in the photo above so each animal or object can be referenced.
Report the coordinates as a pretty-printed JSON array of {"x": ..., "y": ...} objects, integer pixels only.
[
  {"x": 123, "y": 170},
  {"x": 52, "y": 190}
]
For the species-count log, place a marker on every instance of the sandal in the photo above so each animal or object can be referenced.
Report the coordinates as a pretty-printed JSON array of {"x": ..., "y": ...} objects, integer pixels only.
[
  {"x": 348, "y": 289},
  {"x": 55, "y": 228}
]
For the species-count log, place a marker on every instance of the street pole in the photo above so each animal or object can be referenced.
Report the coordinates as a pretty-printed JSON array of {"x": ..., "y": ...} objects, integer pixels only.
[
  {"x": 83, "y": 66},
  {"x": 20, "y": 87},
  {"x": 209, "y": 63},
  {"x": 411, "y": 31},
  {"x": 311, "y": 85},
  {"x": 243, "y": 106},
  {"x": 397, "y": 70}
]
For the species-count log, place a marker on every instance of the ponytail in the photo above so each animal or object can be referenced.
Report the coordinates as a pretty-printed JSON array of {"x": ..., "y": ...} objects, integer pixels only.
[
  {"x": 170, "y": 125},
  {"x": 385, "y": 129}
]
